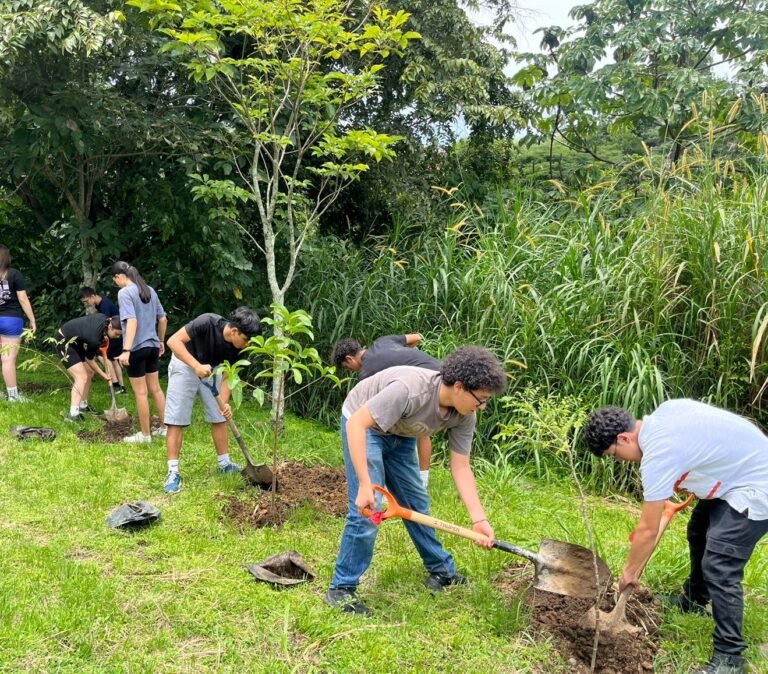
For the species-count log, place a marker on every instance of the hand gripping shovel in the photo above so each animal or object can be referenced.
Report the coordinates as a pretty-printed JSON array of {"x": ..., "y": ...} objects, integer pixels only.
[
  {"x": 615, "y": 622},
  {"x": 114, "y": 413},
  {"x": 562, "y": 568},
  {"x": 259, "y": 475}
]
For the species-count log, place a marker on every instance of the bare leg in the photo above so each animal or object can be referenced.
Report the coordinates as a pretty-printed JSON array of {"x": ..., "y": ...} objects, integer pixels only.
[
  {"x": 139, "y": 386},
  {"x": 173, "y": 441},
  {"x": 79, "y": 373},
  {"x": 117, "y": 372},
  {"x": 220, "y": 437},
  {"x": 9, "y": 349},
  {"x": 153, "y": 384}
]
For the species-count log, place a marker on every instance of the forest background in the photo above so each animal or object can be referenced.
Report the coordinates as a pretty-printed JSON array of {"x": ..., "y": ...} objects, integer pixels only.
[{"x": 594, "y": 212}]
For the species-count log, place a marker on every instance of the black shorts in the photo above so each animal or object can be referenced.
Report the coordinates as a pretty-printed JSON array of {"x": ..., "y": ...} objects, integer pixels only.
[
  {"x": 144, "y": 361},
  {"x": 115, "y": 347},
  {"x": 70, "y": 352}
]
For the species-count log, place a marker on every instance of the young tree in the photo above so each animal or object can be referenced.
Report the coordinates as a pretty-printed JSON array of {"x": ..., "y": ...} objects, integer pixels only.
[{"x": 289, "y": 71}]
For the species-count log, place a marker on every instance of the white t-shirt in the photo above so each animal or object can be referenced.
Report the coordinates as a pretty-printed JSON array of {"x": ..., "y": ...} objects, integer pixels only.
[{"x": 707, "y": 451}]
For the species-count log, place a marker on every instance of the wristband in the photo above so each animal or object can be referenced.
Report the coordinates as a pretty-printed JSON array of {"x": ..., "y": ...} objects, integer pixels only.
[
  {"x": 126, "y": 350},
  {"x": 485, "y": 519}
]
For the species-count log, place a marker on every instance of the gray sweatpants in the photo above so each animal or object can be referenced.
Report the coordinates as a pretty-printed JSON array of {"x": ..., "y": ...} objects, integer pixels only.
[{"x": 183, "y": 386}]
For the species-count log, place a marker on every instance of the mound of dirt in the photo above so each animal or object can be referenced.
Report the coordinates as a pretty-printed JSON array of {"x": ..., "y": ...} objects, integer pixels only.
[
  {"x": 90, "y": 436},
  {"x": 115, "y": 431},
  {"x": 562, "y": 617},
  {"x": 324, "y": 488},
  {"x": 36, "y": 388}
]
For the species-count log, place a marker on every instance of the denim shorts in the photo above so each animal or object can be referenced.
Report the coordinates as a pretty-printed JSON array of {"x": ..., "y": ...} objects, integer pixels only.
[{"x": 11, "y": 326}]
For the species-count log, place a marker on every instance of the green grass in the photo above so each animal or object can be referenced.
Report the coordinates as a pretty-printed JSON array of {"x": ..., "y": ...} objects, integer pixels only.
[{"x": 76, "y": 596}]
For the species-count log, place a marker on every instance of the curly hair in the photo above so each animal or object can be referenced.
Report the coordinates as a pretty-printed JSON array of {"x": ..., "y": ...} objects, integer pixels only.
[
  {"x": 476, "y": 368},
  {"x": 346, "y": 347},
  {"x": 604, "y": 426},
  {"x": 246, "y": 321}
]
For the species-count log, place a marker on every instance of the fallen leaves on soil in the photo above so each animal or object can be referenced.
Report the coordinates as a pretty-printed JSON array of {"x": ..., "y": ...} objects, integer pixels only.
[
  {"x": 563, "y": 618},
  {"x": 323, "y": 487}
]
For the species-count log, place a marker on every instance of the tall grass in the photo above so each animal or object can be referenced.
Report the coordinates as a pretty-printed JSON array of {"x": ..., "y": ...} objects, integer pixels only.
[{"x": 608, "y": 296}]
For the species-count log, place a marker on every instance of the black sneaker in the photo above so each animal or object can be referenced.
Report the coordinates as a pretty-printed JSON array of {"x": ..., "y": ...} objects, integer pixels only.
[
  {"x": 724, "y": 664},
  {"x": 682, "y": 602},
  {"x": 119, "y": 390},
  {"x": 437, "y": 582},
  {"x": 344, "y": 598},
  {"x": 72, "y": 418},
  {"x": 88, "y": 409}
]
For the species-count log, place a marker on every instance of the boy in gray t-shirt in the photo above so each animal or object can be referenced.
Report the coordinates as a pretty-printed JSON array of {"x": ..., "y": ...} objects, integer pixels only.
[{"x": 381, "y": 418}]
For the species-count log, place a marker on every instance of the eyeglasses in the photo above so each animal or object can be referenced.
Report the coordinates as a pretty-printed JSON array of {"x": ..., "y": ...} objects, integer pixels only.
[
  {"x": 480, "y": 401},
  {"x": 611, "y": 450}
]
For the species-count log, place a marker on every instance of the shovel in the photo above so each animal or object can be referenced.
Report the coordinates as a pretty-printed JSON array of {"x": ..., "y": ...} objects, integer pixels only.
[
  {"x": 562, "y": 568},
  {"x": 615, "y": 623},
  {"x": 114, "y": 413},
  {"x": 259, "y": 475}
]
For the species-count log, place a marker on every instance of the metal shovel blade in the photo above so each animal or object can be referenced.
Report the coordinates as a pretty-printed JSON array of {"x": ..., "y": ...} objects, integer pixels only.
[
  {"x": 259, "y": 475},
  {"x": 565, "y": 568},
  {"x": 115, "y": 413},
  {"x": 614, "y": 623}
]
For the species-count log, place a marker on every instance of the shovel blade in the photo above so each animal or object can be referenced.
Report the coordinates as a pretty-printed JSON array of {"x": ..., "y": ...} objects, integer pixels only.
[
  {"x": 259, "y": 475},
  {"x": 565, "y": 568},
  {"x": 116, "y": 414}
]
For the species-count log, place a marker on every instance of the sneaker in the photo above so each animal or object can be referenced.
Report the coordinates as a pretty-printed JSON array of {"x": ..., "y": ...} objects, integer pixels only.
[
  {"x": 138, "y": 437},
  {"x": 345, "y": 599},
  {"x": 682, "y": 602},
  {"x": 230, "y": 468},
  {"x": 119, "y": 390},
  {"x": 437, "y": 582},
  {"x": 18, "y": 398},
  {"x": 172, "y": 483},
  {"x": 72, "y": 418},
  {"x": 724, "y": 664},
  {"x": 87, "y": 409},
  {"x": 160, "y": 432}
]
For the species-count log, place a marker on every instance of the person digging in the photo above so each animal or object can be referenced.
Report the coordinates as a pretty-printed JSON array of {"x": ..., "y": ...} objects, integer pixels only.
[
  {"x": 721, "y": 458},
  {"x": 103, "y": 305},
  {"x": 389, "y": 351},
  {"x": 199, "y": 347},
  {"x": 77, "y": 343},
  {"x": 381, "y": 418}
]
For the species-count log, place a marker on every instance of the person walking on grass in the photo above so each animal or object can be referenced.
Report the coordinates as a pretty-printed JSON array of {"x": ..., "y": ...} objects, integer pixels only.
[
  {"x": 389, "y": 351},
  {"x": 14, "y": 305},
  {"x": 200, "y": 346},
  {"x": 144, "y": 325},
  {"x": 380, "y": 420},
  {"x": 103, "y": 305},
  {"x": 77, "y": 342},
  {"x": 720, "y": 457}
]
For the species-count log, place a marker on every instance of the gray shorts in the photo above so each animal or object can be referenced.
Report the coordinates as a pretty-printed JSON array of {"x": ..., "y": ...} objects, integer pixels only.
[{"x": 183, "y": 386}]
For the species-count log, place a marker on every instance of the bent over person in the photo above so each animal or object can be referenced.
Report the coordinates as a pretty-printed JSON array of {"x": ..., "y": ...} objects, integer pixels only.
[
  {"x": 389, "y": 351},
  {"x": 380, "y": 420},
  {"x": 721, "y": 458},
  {"x": 77, "y": 342},
  {"x": 199, "y": 347}
]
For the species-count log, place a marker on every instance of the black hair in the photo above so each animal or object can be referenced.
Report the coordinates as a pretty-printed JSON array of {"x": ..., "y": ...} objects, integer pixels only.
[
  {"x": 5, "y": 259},
  {"x": 476, "y": 368},
  {"x": 246, "y": 321},
  {"x": 132, "y": 273},
  {"x": 86, "y": 291},
  {"x": 343, "y": 349},
  {"x": 115, "y": 323},
  {"x": 604, "y": 426}
]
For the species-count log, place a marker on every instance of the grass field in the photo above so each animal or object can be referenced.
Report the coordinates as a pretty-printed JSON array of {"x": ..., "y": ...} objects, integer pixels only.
[{"x": 76, "y": 596}]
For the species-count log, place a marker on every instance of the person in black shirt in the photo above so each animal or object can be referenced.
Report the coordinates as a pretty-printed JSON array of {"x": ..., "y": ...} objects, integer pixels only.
[
  {"x": 103, "y": 305},
  {"x": 199, "y": 347},
  {"x": 385, "y": 352},
  {"x": 77, "y": 342}
]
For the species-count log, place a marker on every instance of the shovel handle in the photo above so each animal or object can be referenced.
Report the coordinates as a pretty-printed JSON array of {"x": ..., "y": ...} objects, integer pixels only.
[
  {"x": 394, "y": 509},
  {"x": 231, "y": 422},
  {"x": 670, "y": 510}
]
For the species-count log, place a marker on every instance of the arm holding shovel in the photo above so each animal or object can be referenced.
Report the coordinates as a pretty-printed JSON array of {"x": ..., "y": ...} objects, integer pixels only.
[
  {"x": 645, "y": 538},
  {"x": 464, "y": 479}
]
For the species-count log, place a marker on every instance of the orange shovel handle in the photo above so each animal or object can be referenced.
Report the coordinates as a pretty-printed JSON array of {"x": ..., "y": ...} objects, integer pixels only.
[{"x": 670, "y": 510}]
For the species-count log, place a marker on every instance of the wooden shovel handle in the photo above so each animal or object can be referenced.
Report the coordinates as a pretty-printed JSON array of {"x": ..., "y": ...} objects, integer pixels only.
[
  {"x": 231, "y": 422},
  {"x": 670, "y": 510},
  {"x": 394, "y": 509}
]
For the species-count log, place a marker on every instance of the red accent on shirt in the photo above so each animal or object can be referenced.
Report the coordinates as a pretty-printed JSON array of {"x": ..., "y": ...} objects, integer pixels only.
[
  {"x": 714, "y": 489},
  {"x": 677, "y": 488}
]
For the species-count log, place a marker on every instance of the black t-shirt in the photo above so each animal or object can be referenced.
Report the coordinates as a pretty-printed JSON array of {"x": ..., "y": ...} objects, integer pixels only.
[
  {"x": 207, "y": 343},
  {"x": 391, "y": 351},
  {"x": 9, "y": 297},
  {"x": 107, "y": 307},
  {"x": 88, "y": 330}
]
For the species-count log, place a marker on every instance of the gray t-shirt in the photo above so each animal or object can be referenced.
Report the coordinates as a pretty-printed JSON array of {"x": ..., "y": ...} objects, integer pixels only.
[
  {"x": 391, "y": 351},
  {"x": 405, "y": 401},
  {"x": 146, "y": 315}
]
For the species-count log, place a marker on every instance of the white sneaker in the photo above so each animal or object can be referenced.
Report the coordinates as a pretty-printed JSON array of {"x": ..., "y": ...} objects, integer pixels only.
[
  {"x": 160, "y": 432},
  {"x": 18, "y": 398},
  {"x": 138, "y": 437}
]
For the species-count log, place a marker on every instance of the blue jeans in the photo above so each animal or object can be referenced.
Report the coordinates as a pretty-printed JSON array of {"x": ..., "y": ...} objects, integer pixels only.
[{"x": 392, "y": 461}]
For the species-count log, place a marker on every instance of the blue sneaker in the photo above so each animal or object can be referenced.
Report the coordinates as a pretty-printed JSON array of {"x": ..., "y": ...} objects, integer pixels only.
[
  {"x": 230, "y": 468},
  {"x": 172, "y": 483}
]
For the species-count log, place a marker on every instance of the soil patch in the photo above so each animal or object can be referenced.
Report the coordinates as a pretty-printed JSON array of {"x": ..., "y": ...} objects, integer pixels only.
[
  {"x": 323, "y": 487},
  {"x": 36, "y": 388},
  {"x": 115, "y": 431},
  {"x": 562, "y": 617},
  {"x": 90, "y": 436}
]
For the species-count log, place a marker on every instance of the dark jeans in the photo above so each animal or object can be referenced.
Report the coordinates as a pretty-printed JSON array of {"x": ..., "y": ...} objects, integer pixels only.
[{"x": 721, "y": 541}]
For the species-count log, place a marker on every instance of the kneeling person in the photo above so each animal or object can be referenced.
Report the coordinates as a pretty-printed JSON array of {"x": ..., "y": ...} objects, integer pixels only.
[
  {"x": 77, "y": 344},
  {"x": 199, "y": 347}
]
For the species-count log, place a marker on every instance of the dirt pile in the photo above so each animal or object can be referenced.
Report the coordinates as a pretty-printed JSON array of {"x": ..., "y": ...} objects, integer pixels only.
[
  {"x": 562, "y": 617},
  {"x": 323, "y": 487}
]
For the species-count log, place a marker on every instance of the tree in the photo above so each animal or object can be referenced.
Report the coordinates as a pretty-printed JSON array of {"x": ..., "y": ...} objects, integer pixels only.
[
  {"x": 282, "y": 67},
  {"x": 651, "y": 71}
]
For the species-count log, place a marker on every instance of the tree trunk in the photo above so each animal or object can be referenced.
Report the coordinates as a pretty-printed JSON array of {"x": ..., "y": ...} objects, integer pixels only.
[{"x": 278, "y": 395}]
